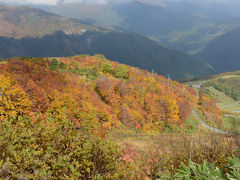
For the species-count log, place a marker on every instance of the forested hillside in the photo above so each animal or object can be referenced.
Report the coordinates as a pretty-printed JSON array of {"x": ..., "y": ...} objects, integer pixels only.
[
  {"x": 93, "y": 92},
  {"x": 96, "y": 93}
]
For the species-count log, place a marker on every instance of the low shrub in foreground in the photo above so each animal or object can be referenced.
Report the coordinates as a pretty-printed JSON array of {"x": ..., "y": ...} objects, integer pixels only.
[
  {"x": 53, "y": 150},
  {"x": 50, "y": 149}
]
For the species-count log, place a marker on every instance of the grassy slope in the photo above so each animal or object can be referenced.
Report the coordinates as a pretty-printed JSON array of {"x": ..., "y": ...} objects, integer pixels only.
[
  {"x": 224, "y": 100},
  {"x": 230, "y": 119}
]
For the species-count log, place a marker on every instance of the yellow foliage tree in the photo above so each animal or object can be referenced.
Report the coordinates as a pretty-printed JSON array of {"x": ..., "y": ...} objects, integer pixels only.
[
  {"x": 171, "y": 110},
  {"x": 63, "y": 105},
  {"x": 13, "y": 100}
]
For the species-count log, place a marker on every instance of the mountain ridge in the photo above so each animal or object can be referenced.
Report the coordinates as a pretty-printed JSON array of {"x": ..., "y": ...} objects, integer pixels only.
[
  {"x": 186, "y": 26},
  {"x": 223, "y": 52},
  {"x": 41, "y": 36}
]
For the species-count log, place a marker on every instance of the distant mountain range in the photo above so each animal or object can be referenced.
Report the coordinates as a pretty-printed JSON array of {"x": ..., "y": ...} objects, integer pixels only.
[
  {"x": 32, "y": 32},
  {"x": 185, "y": 25},
  {"x": 207, "y": 30},
  {"x": 223, "y": 53}
]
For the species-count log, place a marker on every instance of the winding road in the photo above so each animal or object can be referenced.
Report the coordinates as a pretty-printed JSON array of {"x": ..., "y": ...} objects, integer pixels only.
[
  {"x": 211, "y": 128},
  {"x": 207, "y": 126},
  {"x": 235, "y": 111},
  {"x": 230, "y": 105}
]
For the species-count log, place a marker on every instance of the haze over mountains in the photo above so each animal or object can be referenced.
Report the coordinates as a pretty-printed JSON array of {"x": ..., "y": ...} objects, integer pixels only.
[
  {"x": 207, "y": 29},
  {"x": 223, "y": 53},
  {"x": 185, "y": 25},
  {"x": 33, "y": 32}
]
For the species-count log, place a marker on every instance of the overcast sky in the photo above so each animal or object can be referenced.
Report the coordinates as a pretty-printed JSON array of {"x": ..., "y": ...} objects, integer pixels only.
[
  {"x": 47, "y": 2},
  {"x": 54, "y": 2}
]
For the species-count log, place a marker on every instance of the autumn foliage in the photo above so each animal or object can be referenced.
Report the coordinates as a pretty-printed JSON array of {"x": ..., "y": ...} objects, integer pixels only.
[
  {"x": 210, "y": 110},
  {"x": 57, "y": 117},
  {"x": 93, "y": 92},
  {"x": 13, "y": 100}
]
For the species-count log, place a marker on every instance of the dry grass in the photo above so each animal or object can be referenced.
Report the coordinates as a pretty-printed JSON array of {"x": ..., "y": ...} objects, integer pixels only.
[{"x": 154, "y": 154}]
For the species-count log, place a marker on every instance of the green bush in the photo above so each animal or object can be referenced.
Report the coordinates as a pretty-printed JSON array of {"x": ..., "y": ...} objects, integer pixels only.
[
  {"x": 88, "y": 73},
  {"x": 201, "y": 171},
  {"x": 54, "y": 65},
  {"x": 54, "y": 150},
  {"x": 107, "y": 68},
  {"x": 122, "y": 72},
  {"x": 62, "y": 65},
  {"x": 206, "y": 171},
  {"x": 84, "y": 56}
]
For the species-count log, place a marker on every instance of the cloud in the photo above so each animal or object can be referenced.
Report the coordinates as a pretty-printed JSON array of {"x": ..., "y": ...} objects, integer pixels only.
[
  {"x": 55, "y": 2},
  {"x": 88, "y": 1},
  {"x": 51, "y": 2},
  {"x": 34, "y": 2}
]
